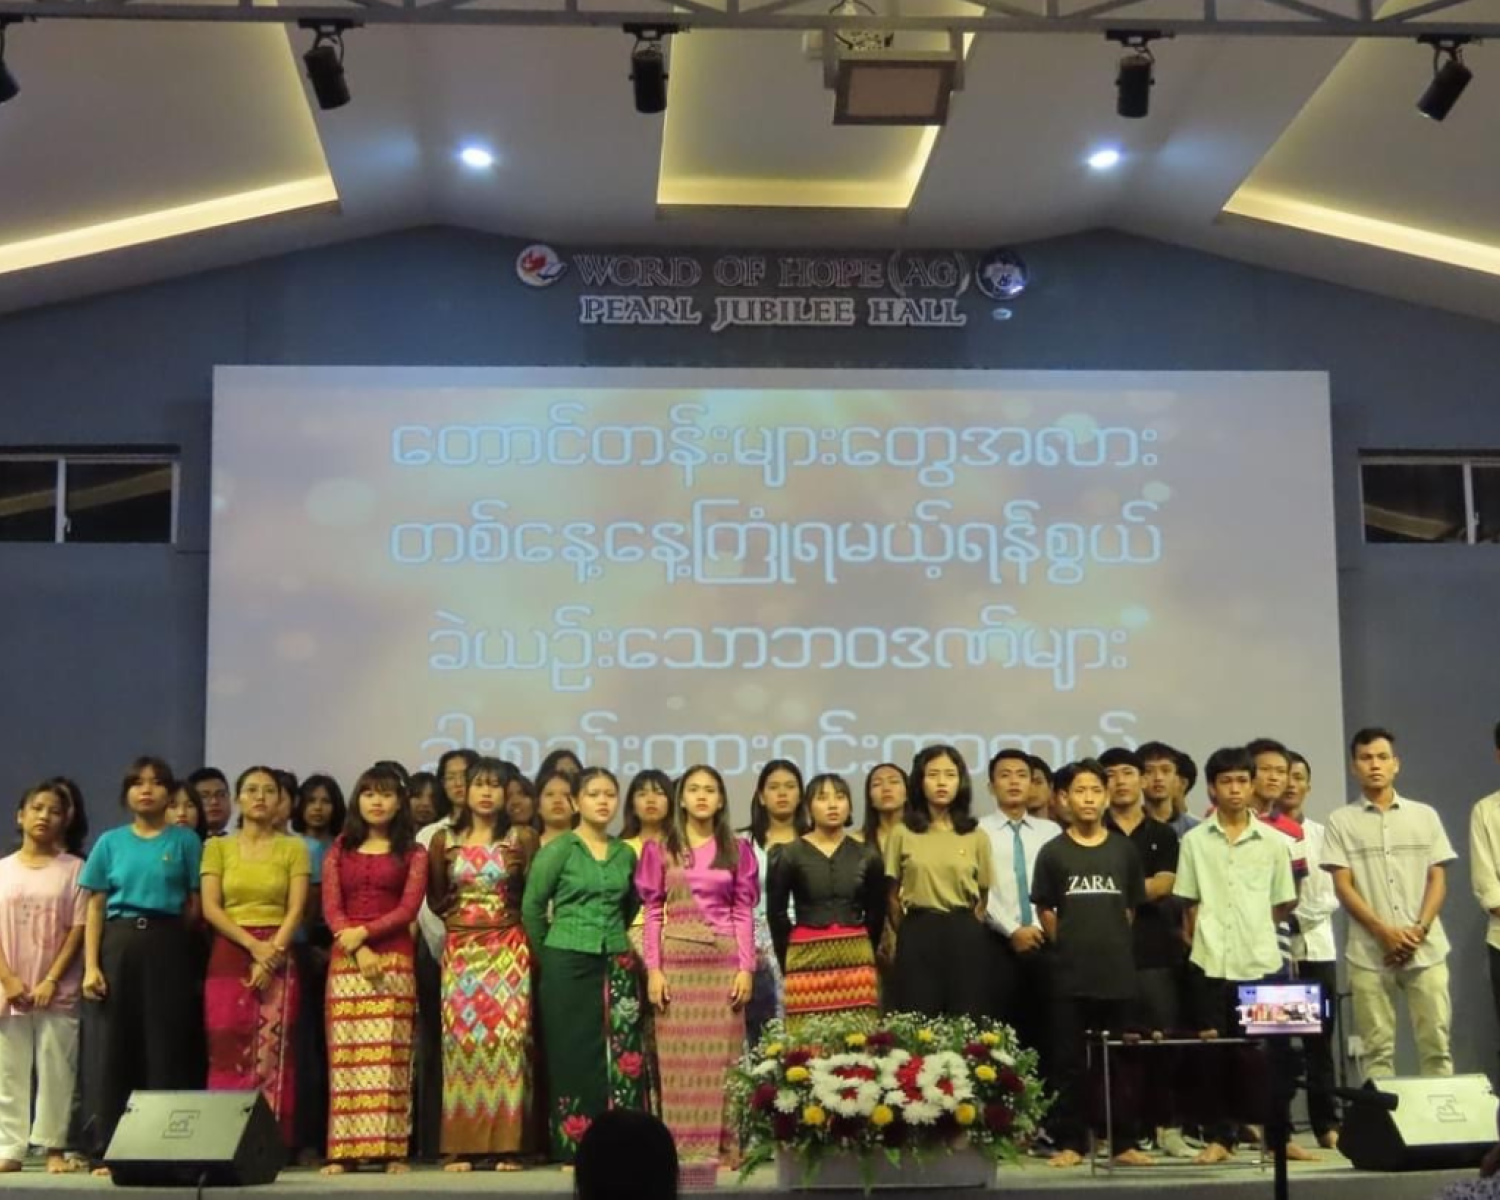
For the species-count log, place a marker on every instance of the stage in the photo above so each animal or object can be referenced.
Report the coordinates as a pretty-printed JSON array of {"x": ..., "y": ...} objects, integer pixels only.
[{"x": 1332, "y": 1179}]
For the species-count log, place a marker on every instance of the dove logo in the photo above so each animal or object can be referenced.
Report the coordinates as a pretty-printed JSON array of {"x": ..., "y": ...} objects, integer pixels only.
[{"x": 540, "y": 266}]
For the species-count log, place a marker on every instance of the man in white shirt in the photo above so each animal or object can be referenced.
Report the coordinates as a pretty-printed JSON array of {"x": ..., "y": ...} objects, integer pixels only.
[
  {"x": 1314, "y": 952},
  {"x": 1484, "y": 871},
  {"x": 1388, "y": 855},
  {"x": 1016, "y": 837}
]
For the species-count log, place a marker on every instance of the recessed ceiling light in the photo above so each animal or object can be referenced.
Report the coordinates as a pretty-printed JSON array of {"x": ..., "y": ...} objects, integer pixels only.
[
  {"x": 476, "y": 157},
  {"x": 1104, "y": 160}
]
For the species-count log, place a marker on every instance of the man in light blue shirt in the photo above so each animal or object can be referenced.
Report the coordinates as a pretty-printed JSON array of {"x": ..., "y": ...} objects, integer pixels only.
[{"x": 1019, "y": 968}]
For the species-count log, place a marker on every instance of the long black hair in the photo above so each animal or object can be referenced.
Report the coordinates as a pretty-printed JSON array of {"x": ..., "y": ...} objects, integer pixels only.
[
  {"x": 872, "y": 814},
  {"x": 379, "y": 779},
  {"x": 726, "y": 845},
  {"x": 496, "y": 774},
  {"x": 630, "y": 826},
  {"x": 335, "y": 796},
  {"x": 919, "y": 812},
  {"x": 78, "y": 817},
  {"x": 760, "y": 815}
]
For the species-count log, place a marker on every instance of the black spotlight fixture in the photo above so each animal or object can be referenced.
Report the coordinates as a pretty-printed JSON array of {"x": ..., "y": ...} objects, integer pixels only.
[
  {"x": 9, "y": 88},
  {"x": 648, "y": 66},
  {"x": 1137, "y": 72},
  {"x": 1449, "y": 75},
  {"x": 325, "y": 62}
]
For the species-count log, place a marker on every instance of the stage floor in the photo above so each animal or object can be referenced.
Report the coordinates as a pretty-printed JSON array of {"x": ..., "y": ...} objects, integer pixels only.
[{"x": 1331, "y": 1179}]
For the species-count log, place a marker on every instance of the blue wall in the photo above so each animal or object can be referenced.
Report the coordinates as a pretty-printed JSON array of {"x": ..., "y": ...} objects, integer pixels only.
[{"x": 105, "y": 644}]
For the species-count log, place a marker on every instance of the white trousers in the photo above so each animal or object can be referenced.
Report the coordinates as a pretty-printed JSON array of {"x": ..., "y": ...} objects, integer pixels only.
[{"x": 48, "y": 1042}]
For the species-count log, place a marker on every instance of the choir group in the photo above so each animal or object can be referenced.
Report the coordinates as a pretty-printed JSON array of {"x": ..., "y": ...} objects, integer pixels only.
[{"x": 468, "y": 965}]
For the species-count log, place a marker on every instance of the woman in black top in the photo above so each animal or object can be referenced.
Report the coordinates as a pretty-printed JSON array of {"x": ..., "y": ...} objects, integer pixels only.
[{"x": 837, "y": 884}]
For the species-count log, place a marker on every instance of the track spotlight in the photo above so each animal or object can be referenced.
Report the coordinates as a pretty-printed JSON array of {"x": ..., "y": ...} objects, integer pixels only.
[
  {"x": 648, "y": 66},
  {"x": 1449, "y": 75},
  {"x": 9, "y": 88},
  {"x": 1137, "y": 72},
  {"x": 325, "y": 62}
]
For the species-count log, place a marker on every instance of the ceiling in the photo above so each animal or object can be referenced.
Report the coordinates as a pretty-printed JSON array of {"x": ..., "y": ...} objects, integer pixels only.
[{"x": 141, "y": 150}]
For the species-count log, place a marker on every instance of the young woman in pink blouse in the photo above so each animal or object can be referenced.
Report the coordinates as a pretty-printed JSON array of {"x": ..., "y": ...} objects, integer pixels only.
[
  {"x": 700, "y": 887},
  {"x": 374, "y": 878}
]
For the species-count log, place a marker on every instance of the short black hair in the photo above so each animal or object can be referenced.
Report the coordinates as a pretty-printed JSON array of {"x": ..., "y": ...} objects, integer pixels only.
[
  {"x": 1118, "y": 756},
  {"x": 204, "y": 774},
  {"x": 1157, "y": 752},
  {"x": 1294, "y": 758},
  {"x": 1188, "y": 770},
  {"x": 1370, "y": 733},
  {"x": 1497, "y": 735},
  {"x": 1063, "y": 779},
  {"x": 1265, "y": 745},
  {"x": 625, "y": 1154},
  {"x": 1227, "y": 759},
  {"x": 1086, "y": 766},
  {"x": 1038, "y": 763},
  {"x": 1010, "y": 752}
]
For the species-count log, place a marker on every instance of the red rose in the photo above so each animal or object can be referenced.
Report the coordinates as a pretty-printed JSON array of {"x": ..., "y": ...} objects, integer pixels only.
[
  {"x": 1012, "y": 1082},
  {"x": 630, "y": 1064},
  {"x": 880, "y": 1040},
  {"x": 895, "y": 1133},
  {"x": 977, "y": 1050},
  {"x": 575, "y": 1127},
  {"x": 784, "y": 1126},
  {"x": 797, "y": 1058},
  {"x": 998, "y": 1118},
  {"x": 764, "y": 1097}
]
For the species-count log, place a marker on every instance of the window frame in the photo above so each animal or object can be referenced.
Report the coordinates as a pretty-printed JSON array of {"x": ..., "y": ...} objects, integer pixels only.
[{"x": 60, "y": 457}]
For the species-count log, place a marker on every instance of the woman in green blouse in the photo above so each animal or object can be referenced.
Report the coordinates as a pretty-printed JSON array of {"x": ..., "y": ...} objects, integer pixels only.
[{"x": 589, "y": 988}]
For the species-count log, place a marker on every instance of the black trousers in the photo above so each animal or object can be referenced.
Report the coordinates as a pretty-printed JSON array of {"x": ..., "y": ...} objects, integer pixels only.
[
  {"x": 311, "y": 963},
  {"x": 148, "y": 1031},
  {"x": 427, "y": 1127},
  {"x": 1317, "y": 1052},
  {"x": 1156, "y": 1008},
  {"x": 1022, "y": 996},
  {"x": 1075, "y": 1022},
  {"x": 943, "y": 964},
  {"x": 1224, "y": 1087}
]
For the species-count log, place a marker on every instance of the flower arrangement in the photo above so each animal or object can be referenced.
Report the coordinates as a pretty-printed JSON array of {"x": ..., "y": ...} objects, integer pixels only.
[{"x": 911, "y": 1087}]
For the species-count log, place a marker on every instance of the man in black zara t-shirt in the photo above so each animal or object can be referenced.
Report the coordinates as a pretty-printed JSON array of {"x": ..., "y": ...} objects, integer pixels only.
[{"x": 1087, "y": 886}]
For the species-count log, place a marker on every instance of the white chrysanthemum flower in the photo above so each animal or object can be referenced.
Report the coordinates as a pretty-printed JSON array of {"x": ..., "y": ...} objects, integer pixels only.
[
  {"x": 769, "y": 1067},
  {"x": 920, "y": 1112},
  {"x": 787, "y": 1101},
  {"x": 1003, "y": 1058}
]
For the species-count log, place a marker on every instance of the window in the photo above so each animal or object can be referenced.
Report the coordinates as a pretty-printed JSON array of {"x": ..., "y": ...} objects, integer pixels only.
[
  {"x": 28, "y": 500},
  {"x": 1431, "y": 498},
  {"x": 104, "y": 496}
]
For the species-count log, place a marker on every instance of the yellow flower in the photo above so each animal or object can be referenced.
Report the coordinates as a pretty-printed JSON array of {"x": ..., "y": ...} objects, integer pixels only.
[
  {"x": 881, "y": 1116},
  {"x": 854, "y": 1040},
  {"x": 989, "y": 1039},
  {"x": 964, "y": 1114},
  {"x": 774, "y": 1050},
  {"x": 813, "y": 1115},
  {"x": 924, "y": 1035},
  {"x": 985, "y": 1073},
  {"x": 796, "y": 1074}
]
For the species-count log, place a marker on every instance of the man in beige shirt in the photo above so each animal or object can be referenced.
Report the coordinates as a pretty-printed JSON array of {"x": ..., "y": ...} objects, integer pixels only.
[{"x": 1484, "y": 871}]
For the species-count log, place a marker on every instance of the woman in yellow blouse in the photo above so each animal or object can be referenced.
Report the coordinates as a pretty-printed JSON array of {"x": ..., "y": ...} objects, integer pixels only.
[{"x": 255, "y": 885}]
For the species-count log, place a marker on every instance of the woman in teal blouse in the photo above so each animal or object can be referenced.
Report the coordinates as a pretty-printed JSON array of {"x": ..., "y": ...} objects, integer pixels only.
[{"x": 589, "y": 989}]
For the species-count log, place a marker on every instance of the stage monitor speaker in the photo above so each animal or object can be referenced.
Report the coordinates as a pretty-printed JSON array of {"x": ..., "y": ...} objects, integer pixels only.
[
  {"x": 1436, "y": 1124},
  {"x": 183, "y": 1139}
]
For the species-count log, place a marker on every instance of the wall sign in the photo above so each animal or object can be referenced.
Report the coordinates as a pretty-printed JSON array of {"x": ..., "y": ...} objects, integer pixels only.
[{"x": 900, "y": 290}]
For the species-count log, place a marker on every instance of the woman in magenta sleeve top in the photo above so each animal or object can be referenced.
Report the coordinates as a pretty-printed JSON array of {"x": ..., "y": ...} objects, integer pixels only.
[
  {"x": 699, "y": 888},
  {"x": 374, "y": 879}
]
